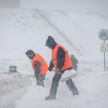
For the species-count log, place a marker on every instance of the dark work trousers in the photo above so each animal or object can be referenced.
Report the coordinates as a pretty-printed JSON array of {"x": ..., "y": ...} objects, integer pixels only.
[
  {"x": 41, "y": 77},
  {"x": 54, "y": 86},
  {"x": 40, "y": 80},
  {"x": 72, "y": 87},
  {"x": 55, "y": 83}
]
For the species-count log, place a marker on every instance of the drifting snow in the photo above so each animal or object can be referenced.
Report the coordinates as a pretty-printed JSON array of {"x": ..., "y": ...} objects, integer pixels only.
[{"x": 28, "y": 29}]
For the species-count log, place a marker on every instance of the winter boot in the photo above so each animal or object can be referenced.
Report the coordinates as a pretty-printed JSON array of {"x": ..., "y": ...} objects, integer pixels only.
[
  {"x": 50, "y": 98},
  {"x": 75, "y": 92},
  {"x": 40, "y": 83}
]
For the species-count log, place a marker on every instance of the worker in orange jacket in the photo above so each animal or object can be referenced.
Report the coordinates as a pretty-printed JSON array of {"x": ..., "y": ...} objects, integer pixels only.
[
  {"x": 39, "y": 65},
  {"x": 61, "y": 62}
]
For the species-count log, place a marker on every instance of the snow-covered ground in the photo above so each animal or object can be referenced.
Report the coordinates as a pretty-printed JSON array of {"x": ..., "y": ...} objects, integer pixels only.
[{"x": 21, "y": 30}]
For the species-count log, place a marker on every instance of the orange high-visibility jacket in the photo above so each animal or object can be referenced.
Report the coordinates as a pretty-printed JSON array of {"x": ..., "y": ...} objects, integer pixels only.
[
  {"x": 43, "y": 66},
  {"x": 67, "y": 62}
]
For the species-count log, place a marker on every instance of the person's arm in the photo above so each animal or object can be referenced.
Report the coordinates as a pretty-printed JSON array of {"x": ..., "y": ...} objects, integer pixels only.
[
  {"x": 60, "y": 58},
  {"x": 51, "y": 66},
  {"x": 37, "y": 68}
]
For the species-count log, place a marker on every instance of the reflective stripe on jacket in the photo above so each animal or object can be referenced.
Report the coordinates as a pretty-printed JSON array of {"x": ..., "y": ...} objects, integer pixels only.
[
  {"x": 43, "y": 66},
  {"x": 67, "y": 62}
]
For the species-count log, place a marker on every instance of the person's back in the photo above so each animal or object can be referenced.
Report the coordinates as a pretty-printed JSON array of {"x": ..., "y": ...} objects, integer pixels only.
[{"x": 43, "y": 65}]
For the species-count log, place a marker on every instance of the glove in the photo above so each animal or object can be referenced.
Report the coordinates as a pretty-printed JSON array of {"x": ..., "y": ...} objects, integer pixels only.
[
  {"x": 50, "y": 69},
  {"x": 57, "y": 71}
]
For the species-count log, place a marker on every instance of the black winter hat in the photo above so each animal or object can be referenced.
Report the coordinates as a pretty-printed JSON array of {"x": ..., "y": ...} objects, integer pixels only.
[{"x": 50, "y": 41}]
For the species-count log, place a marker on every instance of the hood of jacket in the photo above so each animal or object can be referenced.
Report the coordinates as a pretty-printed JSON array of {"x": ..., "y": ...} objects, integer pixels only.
[
  {"x": 50, "y": 42},
  {"x": 30, "y": 54}
]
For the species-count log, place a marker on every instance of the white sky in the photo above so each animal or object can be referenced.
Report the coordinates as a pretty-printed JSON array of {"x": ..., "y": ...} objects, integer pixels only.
[{"x": 74, "y": 5}]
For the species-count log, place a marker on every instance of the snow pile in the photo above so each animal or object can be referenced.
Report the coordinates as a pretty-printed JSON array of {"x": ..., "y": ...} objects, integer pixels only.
[
  {"x": 12, "y": 86},
  {"x": 10, "y": 82}
]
